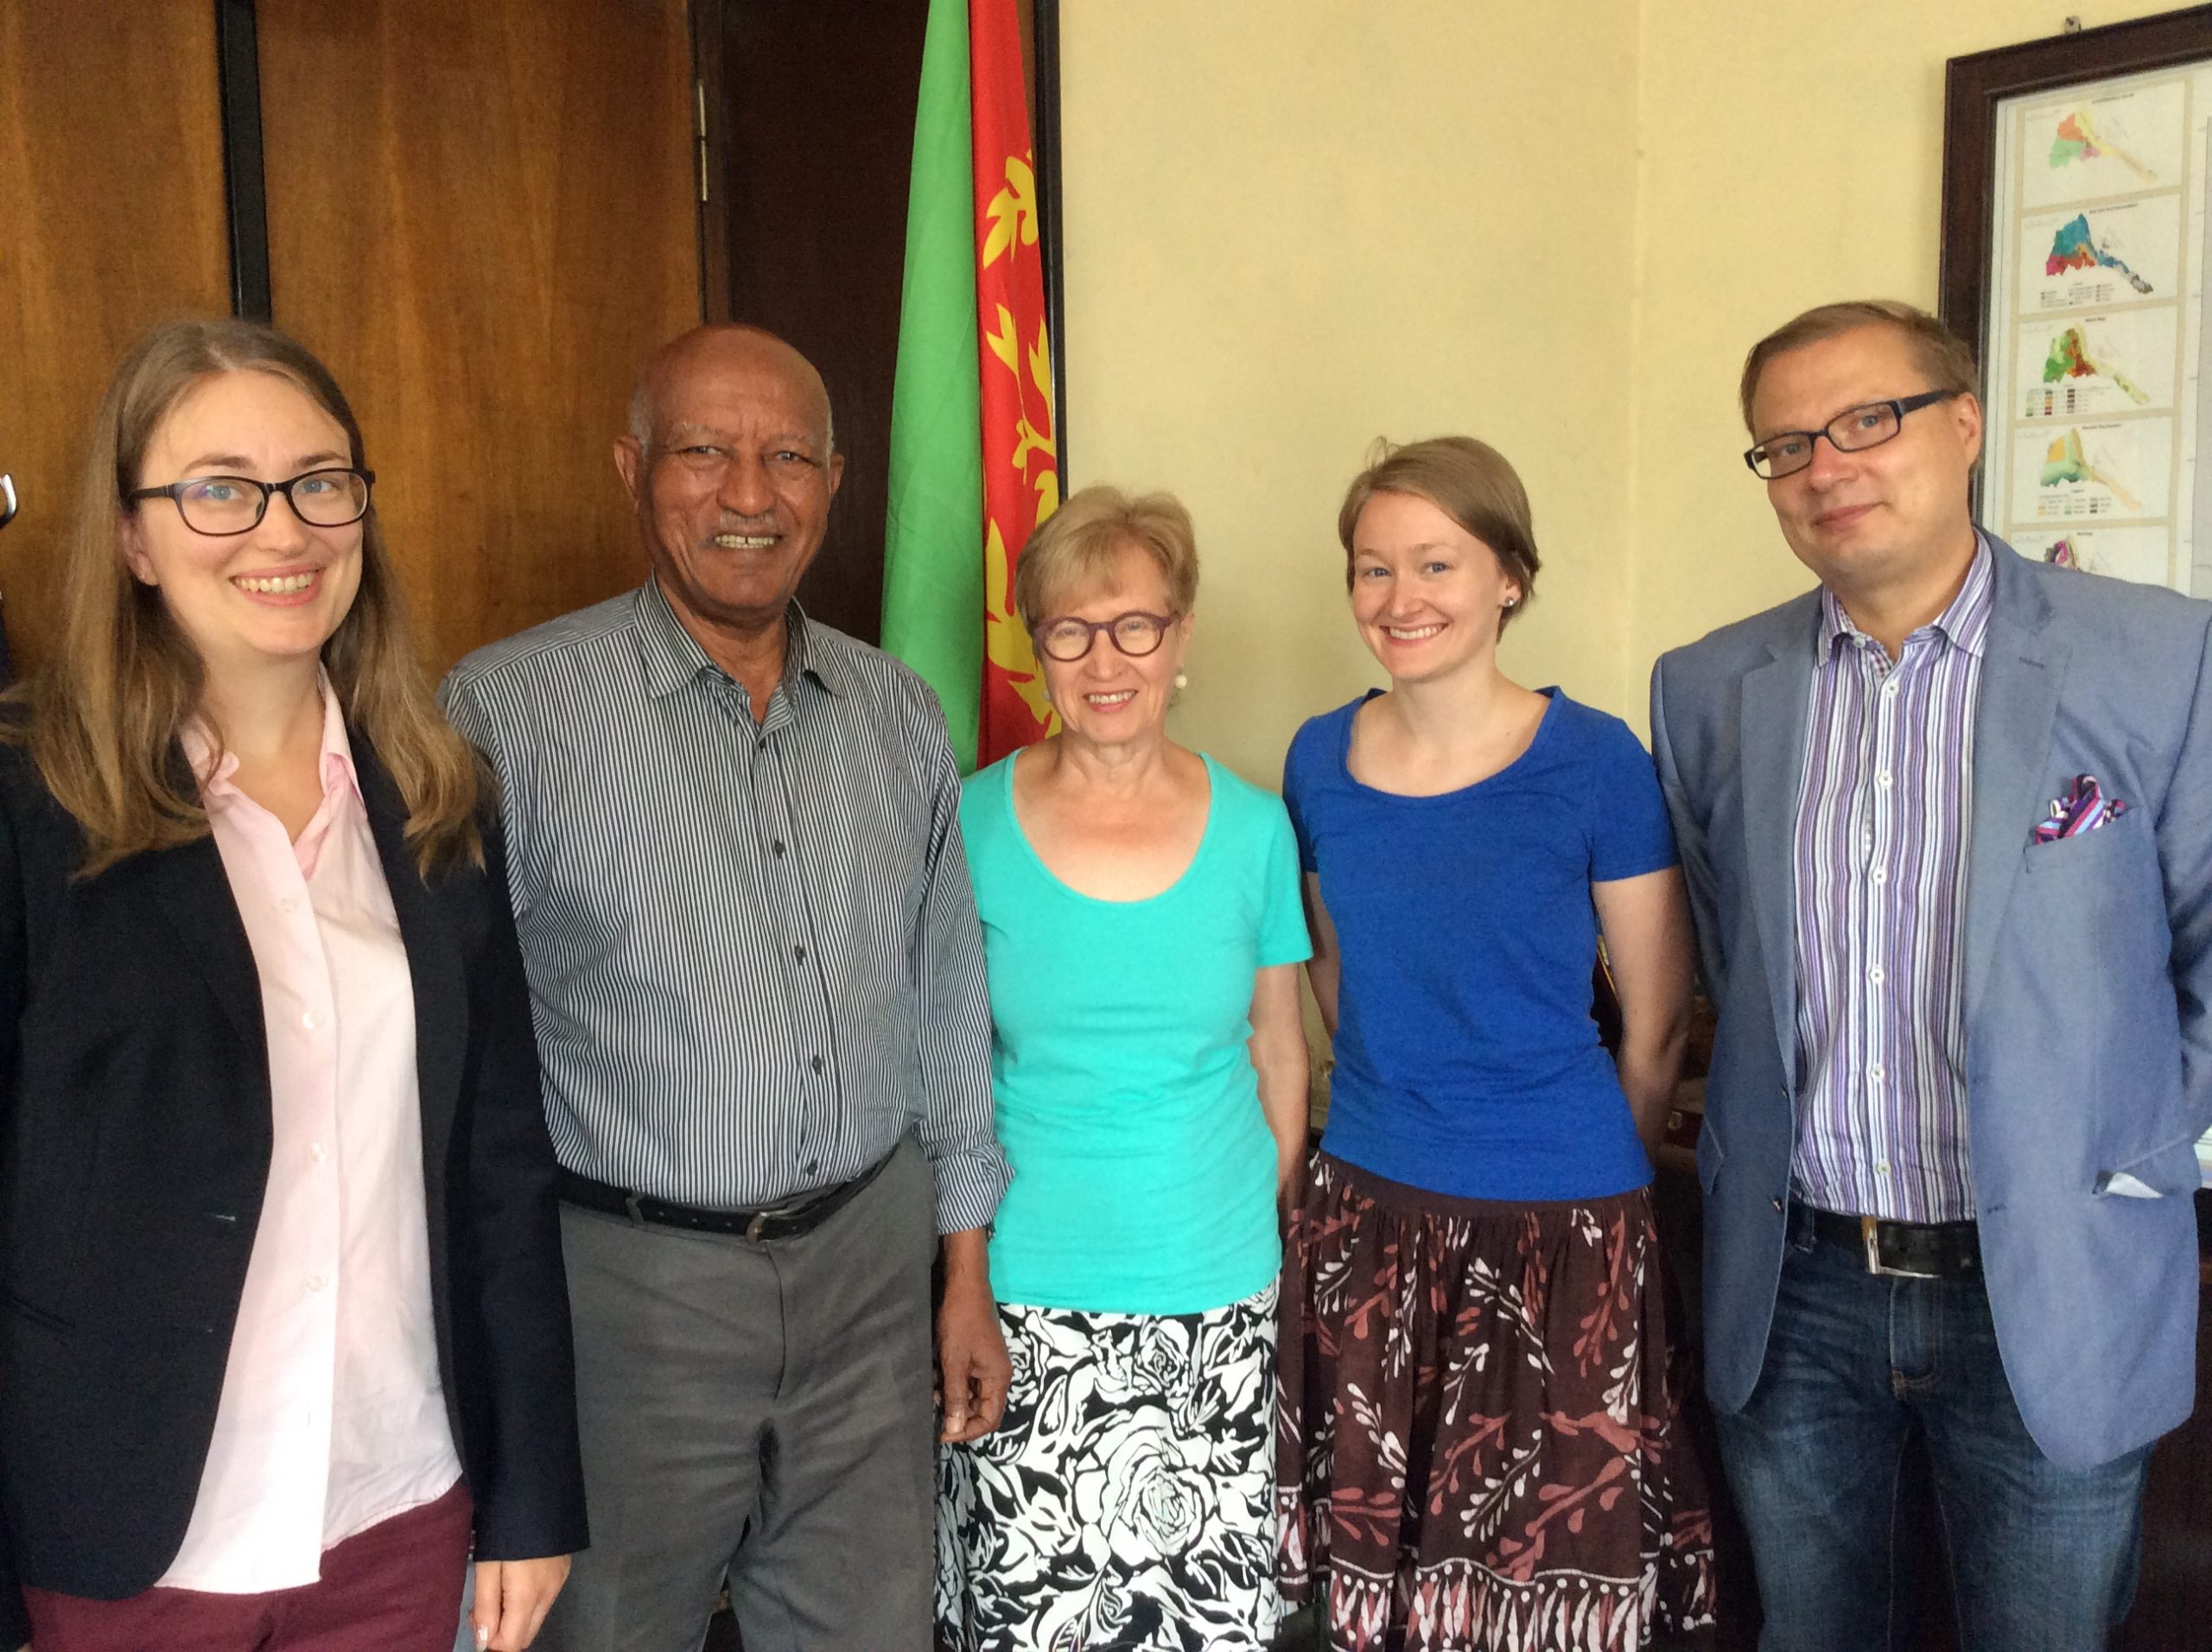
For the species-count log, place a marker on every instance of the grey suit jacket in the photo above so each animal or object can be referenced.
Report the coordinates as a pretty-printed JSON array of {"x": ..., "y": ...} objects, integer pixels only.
[{"x": 2089, "y": 983}]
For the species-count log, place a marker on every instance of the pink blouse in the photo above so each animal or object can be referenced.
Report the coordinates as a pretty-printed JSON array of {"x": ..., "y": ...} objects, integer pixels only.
[{"x": 332, "y": 1416}]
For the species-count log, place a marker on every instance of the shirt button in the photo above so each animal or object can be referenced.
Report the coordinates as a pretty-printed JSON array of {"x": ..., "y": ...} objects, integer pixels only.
[
  {"x": 1877, "y": 1072},
  {"x": 1889, "y": 688},
  {"x": 1883, "y": 779},
  {"x": 1881, "y": 874},
  {"x": 316, "y": 1281},
  {"x": 817, "y": 1064},
  {"x": 310, "y": 1021},
  {"x": 1875, "y": 974},
  {"x": 1882, "y": 1167},
  {"x": 316, "y": 1152},
  {"x": 813, "y": 1166},
  {"x": 800, "y": 953},
  {"x": 778, "y": 846}
]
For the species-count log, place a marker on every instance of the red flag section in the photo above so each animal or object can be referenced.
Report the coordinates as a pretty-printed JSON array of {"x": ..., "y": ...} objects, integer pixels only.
[{"x": 1021, "y": 483}]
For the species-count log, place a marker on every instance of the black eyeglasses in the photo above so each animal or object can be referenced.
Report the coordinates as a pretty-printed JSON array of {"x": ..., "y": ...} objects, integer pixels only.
[
  {"x": 1135, "y": 634},
  {"x": 1852, "y": 432},
  {"x": 226, "y": 505}
]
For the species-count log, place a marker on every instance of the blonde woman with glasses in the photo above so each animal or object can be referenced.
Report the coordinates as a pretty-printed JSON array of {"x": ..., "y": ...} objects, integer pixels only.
[{"x": 1143, "y": 934}]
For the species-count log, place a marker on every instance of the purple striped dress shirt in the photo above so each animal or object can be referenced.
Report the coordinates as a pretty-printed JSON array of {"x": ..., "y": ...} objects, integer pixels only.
[{"x": 1881, "y": 831}]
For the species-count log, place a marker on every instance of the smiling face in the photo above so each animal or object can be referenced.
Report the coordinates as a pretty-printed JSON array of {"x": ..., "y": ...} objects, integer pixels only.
[
  {"x": 1106, "y": 698},
  {"x": 1425, "y": 593},
  {"x": 733, "y": 490},
  {"x": 1883, "y": 515},
  {"x": 277, "y": 591}
]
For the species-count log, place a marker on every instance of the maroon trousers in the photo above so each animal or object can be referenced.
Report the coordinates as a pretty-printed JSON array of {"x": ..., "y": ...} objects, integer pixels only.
[{"x": 395, "y": 1587}]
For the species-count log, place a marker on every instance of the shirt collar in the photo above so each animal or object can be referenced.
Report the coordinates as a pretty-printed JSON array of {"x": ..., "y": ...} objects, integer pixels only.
[
  {"x": 336, "y": 762},
  {"x": 673, "y": 657},
  {"x": 1964, "y": 624}
]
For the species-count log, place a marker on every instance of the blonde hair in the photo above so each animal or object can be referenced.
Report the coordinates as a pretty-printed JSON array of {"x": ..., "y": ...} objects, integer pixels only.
[
  {"x": 1471, "y": 482},
  {"x": 1941, "y": 355},
  {"x": 103, "y": 713},
  {"x": 1079, "y": 543}
]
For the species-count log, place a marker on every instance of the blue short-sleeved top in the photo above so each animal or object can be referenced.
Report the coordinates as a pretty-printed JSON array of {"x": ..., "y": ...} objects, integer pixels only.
[
  {"x": 1144, "y": 1171},
  {"x": 1467, "y": 1061}
]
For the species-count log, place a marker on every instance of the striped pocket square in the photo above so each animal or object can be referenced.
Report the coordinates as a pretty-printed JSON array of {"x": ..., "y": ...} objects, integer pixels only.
[{"x": 2081, "y": 810}]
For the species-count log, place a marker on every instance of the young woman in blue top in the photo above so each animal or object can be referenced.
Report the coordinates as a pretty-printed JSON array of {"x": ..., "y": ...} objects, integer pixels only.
[
  {"x": 1142, "y": 933},
  {"x": 1480, "y": 1443}
]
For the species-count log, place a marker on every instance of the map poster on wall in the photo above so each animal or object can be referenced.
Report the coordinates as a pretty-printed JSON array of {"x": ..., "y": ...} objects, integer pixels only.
[
  {"x": 2094, "y": 330},
  {"x": 2078, "y": 234}
]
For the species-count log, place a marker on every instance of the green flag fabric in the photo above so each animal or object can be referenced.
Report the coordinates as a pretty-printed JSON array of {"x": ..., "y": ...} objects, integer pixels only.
[{"x": 932, "y": 567}]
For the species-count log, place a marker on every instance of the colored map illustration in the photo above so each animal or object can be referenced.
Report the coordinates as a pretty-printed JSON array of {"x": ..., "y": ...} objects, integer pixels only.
[
  {"x": 2075, "y": 248},
  {"x": 2070, "y": 357},
  {"x": 2142, "y": 553},
  {"x": 2077, "y": 140},
  {"x": 2063, "y": 461}
]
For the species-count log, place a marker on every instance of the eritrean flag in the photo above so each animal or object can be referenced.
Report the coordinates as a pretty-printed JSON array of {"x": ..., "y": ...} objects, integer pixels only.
[{"x": 973, "y": 468}]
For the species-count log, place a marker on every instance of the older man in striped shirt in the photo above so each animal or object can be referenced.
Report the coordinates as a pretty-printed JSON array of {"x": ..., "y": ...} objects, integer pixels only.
[
  {"x": 1947, "y": 822},
  {"x": 734, "y": 843}
]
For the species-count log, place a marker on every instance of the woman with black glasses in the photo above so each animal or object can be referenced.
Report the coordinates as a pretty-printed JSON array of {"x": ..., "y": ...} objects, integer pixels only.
[
  {"x": 286, "y": 1331},
  {"x": 1142, "y": 933}
]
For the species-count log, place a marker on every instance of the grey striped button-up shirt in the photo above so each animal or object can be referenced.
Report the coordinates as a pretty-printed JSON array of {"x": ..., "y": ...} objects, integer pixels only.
[
  {"x": 753, "y": 952},
  {"x": 1882, "y": 832}
]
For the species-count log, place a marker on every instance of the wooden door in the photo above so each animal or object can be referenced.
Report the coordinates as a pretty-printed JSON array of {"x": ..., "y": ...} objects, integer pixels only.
[
  {"x": 483, "y": 217},
  {"x": 110, "y": 219},
  {"x": 812, "y": 132}
]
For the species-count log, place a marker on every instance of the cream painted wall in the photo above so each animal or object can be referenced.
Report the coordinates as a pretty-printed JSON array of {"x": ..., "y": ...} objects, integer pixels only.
[{"x": 1293, "y": 225}]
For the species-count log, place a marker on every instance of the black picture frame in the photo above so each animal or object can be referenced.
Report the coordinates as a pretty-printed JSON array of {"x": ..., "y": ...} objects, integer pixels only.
[{"x": 1975, "y": 87}]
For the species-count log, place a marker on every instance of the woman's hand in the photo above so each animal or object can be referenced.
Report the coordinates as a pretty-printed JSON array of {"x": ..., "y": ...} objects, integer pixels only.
[
  {"x": 1646, "y": 923},
  {"x": 1278, "y": 1058},
  {"x": 513, "y": 1597}
]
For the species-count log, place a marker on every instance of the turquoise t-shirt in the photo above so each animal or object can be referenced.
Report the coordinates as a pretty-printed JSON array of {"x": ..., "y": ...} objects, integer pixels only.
[{"x": 1144, "y": 1172}]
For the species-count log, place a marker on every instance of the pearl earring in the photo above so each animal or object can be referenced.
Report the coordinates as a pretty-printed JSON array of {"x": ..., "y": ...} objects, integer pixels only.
[{"x": 1182, "y": 680}]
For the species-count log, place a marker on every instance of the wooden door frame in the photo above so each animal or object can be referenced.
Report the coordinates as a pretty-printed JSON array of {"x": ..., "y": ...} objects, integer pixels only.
[
  {"x": 717, "y": 303},
  {"x": 245, "y": 191}
]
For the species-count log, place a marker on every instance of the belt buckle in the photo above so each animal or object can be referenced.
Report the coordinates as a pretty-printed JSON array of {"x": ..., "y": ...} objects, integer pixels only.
[
  {"x": 754, "y": 1229},
  {"x": 1869, "y": 1237}
]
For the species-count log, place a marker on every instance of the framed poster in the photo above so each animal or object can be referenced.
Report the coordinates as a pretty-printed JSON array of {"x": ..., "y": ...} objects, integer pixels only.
[{"x": 2077, "y": 173}]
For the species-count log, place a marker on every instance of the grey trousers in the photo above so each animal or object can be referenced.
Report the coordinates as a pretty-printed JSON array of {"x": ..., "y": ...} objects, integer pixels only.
[{"x": 762, "y": 1410}]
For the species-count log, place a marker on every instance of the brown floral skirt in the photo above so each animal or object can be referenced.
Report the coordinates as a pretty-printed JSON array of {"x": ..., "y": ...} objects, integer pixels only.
[{"x": 1479, "y": 1439}]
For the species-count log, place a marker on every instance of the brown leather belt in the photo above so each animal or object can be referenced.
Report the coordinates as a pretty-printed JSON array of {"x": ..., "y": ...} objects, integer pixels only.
[
  {"x": 790, "y": 1221},
  {"x": 1900, "y": 1249}
]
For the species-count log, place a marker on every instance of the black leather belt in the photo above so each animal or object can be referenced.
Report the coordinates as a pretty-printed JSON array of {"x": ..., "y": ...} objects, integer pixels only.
[
  {"x": 790, "y": 1221},
  {"x": 1900, "y": 1249}
]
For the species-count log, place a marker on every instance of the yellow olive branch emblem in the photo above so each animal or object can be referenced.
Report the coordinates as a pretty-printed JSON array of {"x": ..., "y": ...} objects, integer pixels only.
[
  {"x": 1004, "y": 640},
  {"x": 1012, "y": 211}
]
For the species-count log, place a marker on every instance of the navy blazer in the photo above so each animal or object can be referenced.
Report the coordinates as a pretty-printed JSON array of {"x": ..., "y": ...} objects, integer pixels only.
[
  {"x": 2088, "y": 984},
  {"x": 135, "y": 1143}
]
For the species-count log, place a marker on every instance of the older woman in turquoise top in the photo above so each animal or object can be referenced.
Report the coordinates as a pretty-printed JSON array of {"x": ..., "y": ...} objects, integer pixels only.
[{"x": 1143, "y": 931}]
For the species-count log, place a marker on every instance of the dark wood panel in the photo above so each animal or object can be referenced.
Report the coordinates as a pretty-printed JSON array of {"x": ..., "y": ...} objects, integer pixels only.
[
  {"x": 483, "y": 217},
  {"x": 813, "y": 141},
  {"x": 2173, "y": 1599},
  {"x": 110, "y": 219}
]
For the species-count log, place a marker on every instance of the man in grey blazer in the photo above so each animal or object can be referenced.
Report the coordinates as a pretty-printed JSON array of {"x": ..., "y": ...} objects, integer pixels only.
[{"x": 1947, "y": 822}]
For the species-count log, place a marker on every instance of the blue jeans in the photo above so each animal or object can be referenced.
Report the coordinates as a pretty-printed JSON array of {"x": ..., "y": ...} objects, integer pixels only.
[{"x": 2042, "y": 1558}]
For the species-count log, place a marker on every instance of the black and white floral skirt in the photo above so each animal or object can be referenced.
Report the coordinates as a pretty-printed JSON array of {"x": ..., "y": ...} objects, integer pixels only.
[{"x": 1124, "y": 1501}]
